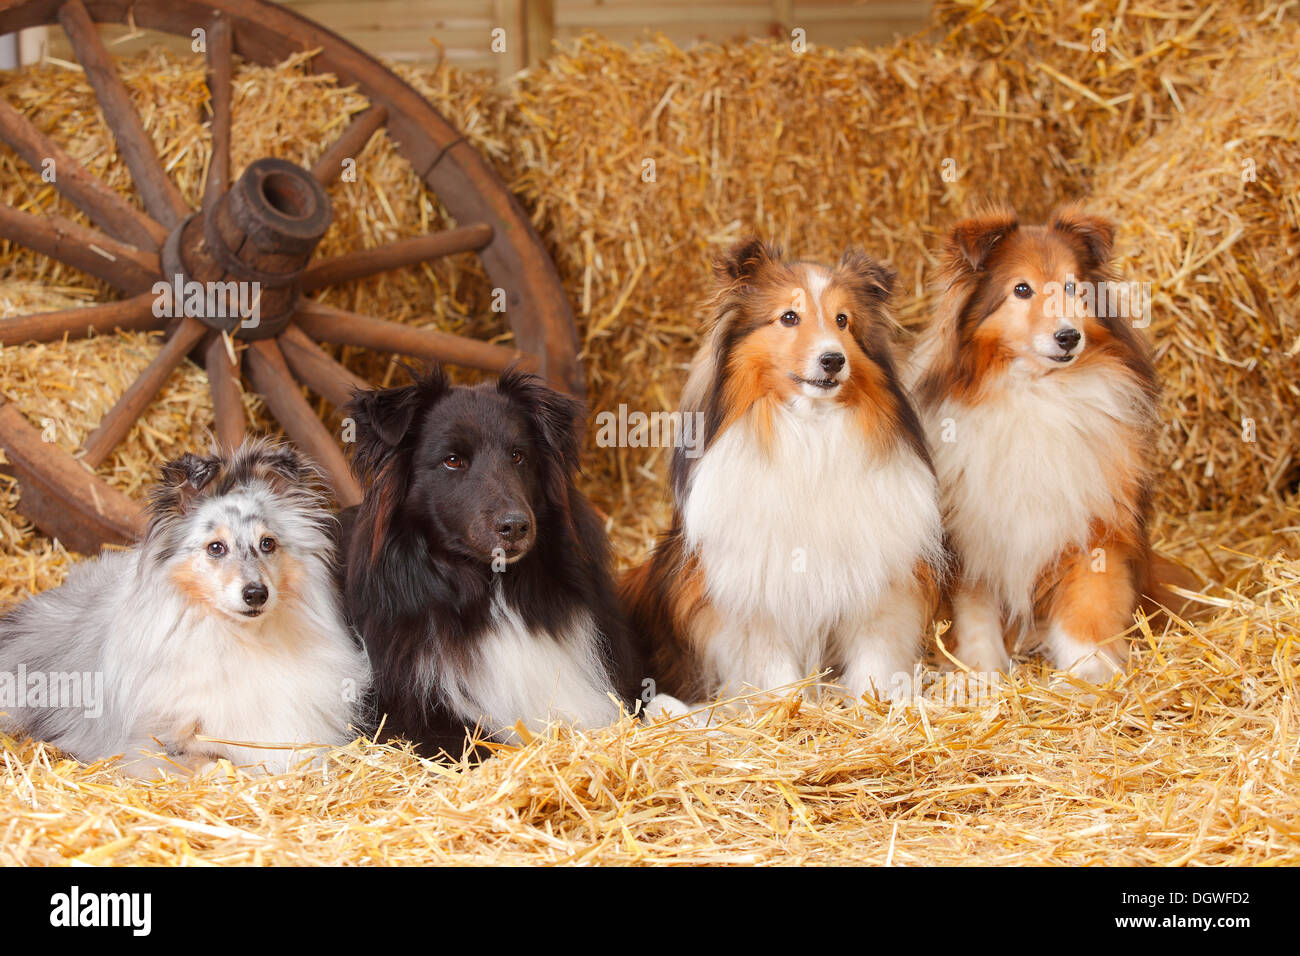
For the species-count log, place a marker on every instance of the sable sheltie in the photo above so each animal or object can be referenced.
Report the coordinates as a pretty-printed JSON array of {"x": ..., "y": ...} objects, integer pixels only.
[
  {"x": 220, "y": 632},
  {"x": 477, "y": 574},
  {"x": 1040, "y": 407},
  {"x": 807, "y": 533}
]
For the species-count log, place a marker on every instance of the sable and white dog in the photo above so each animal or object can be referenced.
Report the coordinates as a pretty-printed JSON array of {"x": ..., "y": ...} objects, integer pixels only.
[
  {"x": 220, "y": 632},
  {"x": 807, "y": 534},
  {"x": 1040, "y": 407}
]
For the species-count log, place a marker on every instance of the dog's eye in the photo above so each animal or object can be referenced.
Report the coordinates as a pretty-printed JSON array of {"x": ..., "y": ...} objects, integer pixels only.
[
  {"x": 216, "y": 549},
  {"x": 517, "y": 457},
  {"x": 1069, "y": 288},
  {"x": 842, "y": 320},
  {"x": 790, "y": 317},
  {"x": 454, "y": 462},
  {"x": 267, "y": 545},
  {"x": 1022, "y": 290}
]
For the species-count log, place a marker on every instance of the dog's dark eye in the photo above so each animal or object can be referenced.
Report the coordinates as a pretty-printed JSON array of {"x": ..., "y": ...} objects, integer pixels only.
[
  {"x": 517, "y": 457},
  {"x": 841, "y": 320},
  {"x": 455, "y": 462},
  {"x": 790, "y": 317},
  {"x": 267, "y": 544},
  {"x": 216, "y": 549},
  {"x": 1022, "y": 290},
  {"x": 1069, "y": 288}
]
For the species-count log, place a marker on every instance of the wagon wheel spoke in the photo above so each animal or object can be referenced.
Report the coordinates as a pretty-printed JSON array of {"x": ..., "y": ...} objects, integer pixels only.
[
  {"x": 395, "y": 255},
  {"x": 115, "y": 425},
  {"x": 75, "y": 506},
  {"x": 122, "y": 266},
  {"x": 223, "y": 383},
  {"x": 353, "y": 139},
  {"x": 161, "y": 197},
  {"x": 317, "y": 370},
  {"x": 327, "y": 324},
  {"x": 271, "y": 377},
  {"x": 132, "y": 315},
  {"x": 106, "y": 209},
  {"x": 220, "y": 80}
]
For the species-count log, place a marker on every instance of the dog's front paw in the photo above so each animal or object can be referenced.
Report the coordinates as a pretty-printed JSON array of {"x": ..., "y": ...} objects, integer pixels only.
[
  {"x": 665, "y": 708},
  {"x": 1094, "y": 663}
]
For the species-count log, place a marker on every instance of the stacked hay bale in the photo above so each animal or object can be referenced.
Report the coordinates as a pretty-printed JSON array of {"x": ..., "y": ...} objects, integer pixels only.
[{"x": 1021, "y": 102}]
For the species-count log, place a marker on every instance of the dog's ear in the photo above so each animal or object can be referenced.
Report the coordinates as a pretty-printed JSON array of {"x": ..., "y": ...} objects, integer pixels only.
[
  {"x": 559, "y": 418},
  {"x": 383, "y": 416},
  {"x": 872, "y": 280},
  {"x": 972, "y": 240},
  {"x": 182, "y": 480},
  {"x": 193, "y": 473},
  {"x": 287, "y": 465},
  {"x": 1094, "y": 234},
  {"x": 742, "y": 262}
]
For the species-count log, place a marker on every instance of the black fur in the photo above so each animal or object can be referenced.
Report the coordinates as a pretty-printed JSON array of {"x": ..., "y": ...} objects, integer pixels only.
[{"x": 418, "y": 574}]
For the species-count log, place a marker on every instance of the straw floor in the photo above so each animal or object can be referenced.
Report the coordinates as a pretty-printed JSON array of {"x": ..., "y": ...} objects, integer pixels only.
[{"x": 1186, "y": 128}]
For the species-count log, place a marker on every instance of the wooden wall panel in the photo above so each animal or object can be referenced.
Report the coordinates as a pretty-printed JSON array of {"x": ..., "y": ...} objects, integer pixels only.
[{"x": 460, "y": 32}]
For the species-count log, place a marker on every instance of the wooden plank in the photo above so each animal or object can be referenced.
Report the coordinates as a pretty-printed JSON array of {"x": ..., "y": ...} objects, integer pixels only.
[
  {"x": 539, "y": 30},
  {"x": 459, "y": 31},
  {"x": 510, "y": 17}
]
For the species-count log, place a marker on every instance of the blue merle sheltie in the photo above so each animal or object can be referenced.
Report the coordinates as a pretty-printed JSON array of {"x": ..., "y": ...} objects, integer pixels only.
[
  {"x": 476, "y": 572},
  {"x": 220, "y": 636}
]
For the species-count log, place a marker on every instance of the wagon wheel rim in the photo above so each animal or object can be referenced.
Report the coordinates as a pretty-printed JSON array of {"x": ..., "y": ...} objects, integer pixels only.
[{"x": 133, "y": 249}]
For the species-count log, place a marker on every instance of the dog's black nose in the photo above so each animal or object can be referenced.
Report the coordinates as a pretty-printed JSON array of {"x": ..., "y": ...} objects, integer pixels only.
[
  {"x": 1067, "y": 338},
  {"x": 512, "y": 526},
  {"x": 832, "y": 362},
  {"x": 255, "y": 594}
]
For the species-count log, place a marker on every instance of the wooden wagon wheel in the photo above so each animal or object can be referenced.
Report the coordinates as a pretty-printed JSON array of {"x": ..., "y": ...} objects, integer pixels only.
[{"x": 261, "y": 229}]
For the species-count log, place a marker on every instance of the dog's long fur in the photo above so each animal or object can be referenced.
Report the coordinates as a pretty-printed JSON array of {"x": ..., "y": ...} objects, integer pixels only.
[
  {"x": 1041, "y": 449},
  {"x": 807, "y": 534},
  {"x": 182, "y": 652},
  {"x": 461, "y": 638}
]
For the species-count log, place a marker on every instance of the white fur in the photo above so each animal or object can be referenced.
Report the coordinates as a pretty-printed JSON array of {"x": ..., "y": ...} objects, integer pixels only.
[
  {"x": 291, "y": 678},
  {"x": 1095, "y": 663},
  {"x": 518, "y": 674},
  {"x": 806, "y": 549},
  {"x": 1027, "y": 470},
  {"x": 981, "y": 641}
]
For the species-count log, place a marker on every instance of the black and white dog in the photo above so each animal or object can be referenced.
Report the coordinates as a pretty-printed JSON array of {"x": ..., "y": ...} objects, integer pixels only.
[{"x": 476, "y": 573}]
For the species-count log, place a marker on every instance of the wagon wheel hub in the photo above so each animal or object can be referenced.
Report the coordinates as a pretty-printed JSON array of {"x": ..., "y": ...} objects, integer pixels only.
[{"x": 237, "y": 267}]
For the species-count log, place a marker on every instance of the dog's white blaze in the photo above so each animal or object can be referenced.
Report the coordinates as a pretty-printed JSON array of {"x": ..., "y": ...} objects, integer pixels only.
[
  {"x": 1025, "y": 472},
  {"x": 516, "y": 673},
  {"x": 815, "y": 283},
  {"x": 805, "y": 544}
]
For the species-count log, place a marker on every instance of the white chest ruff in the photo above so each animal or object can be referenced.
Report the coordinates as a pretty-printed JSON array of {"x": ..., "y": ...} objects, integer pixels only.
[
  {"x": 515, "y": 674},
  {"x": 293, "y": 677},
  {"x": 813, "y": 532},
  {"x": 1023, "y": 476}
]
